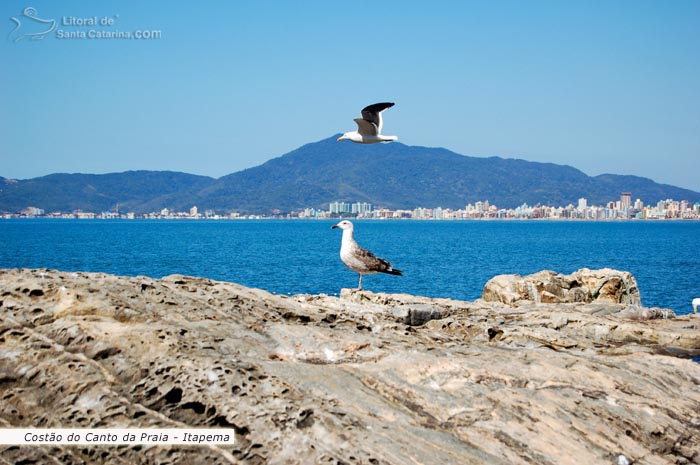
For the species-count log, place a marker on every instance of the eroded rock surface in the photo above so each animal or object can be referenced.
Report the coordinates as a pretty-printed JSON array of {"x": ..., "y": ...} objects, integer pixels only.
[
  {"x": 365, "y": 378},
  {"x": 605, "y": 285}
]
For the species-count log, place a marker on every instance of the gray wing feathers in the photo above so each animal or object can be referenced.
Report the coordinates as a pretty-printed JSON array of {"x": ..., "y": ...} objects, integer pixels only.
[
  {"x": 366, "y": 128},
  {"x": 374, "y": 263}
]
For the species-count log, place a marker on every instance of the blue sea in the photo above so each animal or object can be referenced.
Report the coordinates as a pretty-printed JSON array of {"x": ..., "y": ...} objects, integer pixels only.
[{"x": 439, "y": 258}]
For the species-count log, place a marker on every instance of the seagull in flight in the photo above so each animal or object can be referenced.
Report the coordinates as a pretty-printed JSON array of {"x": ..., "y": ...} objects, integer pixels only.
[
  {"x": 369, "y": 127},
  {"x": 360, "y": 260}
]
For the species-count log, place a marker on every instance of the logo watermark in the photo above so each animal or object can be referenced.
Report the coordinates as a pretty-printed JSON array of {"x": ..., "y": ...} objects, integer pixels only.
[
  {"x": 29, "y": 26},
  {"x": 31, "y": 21}
]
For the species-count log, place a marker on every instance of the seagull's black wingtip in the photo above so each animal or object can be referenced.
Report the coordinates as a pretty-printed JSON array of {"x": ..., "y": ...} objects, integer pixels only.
[{"x": 377, "y": 107}]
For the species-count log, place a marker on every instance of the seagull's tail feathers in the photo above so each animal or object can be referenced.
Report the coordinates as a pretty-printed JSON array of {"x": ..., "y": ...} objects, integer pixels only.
[
  {"x": 394, "y": 272},
  {"x": 383, "y": 266}
]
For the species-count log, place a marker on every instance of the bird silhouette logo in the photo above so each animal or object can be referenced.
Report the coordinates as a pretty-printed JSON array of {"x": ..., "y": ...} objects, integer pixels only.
[{"x": 33, "y": 27}]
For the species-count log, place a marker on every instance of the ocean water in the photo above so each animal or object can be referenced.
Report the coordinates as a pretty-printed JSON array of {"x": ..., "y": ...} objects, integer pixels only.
[{"x": 439, "y": 258}]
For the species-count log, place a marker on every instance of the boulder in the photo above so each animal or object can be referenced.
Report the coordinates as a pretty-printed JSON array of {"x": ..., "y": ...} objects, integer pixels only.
[{"x": 584, "y": 285}]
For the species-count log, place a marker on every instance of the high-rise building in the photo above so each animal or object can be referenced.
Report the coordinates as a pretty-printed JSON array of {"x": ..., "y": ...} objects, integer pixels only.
[
  {"x": 582, "y": 204},
  {"x": 361, "y": 207},
  {"x": 339, "y": 207},
  {"x": 625, "y": 200}
]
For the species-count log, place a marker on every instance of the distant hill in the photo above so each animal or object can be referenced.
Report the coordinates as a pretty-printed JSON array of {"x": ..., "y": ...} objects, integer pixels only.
[
  {"x": 391, "y": 175},
  {"x": 140, "y": 191},
  {"x": 400, "y": 176}
]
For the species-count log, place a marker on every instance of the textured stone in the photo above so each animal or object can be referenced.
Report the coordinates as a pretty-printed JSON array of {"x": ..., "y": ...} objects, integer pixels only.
[
  {"x": 356, "y": 379},
  {"x": 584, "y": 285}
]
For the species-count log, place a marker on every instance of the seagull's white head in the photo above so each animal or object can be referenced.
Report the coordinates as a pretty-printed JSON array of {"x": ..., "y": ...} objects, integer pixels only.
[{"x": 344, "y": 225}]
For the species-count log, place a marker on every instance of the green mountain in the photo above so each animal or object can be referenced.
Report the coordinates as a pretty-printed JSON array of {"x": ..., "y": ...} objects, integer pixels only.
[
  {"x": 140, "y": 191},
  {"x": 390, "y": 175},
  {"x": 399, "y": 176}
]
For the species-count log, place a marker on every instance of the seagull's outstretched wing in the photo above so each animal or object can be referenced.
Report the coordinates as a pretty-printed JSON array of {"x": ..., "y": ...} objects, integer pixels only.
[
  {"x": 365, "y": 128},
  {"x": 373, "y": 113}
]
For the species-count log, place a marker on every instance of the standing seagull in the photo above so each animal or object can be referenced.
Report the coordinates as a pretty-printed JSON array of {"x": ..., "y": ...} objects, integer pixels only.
[
  {"x": 360, "y": 260},
  {"x": 369, "y": 128}
]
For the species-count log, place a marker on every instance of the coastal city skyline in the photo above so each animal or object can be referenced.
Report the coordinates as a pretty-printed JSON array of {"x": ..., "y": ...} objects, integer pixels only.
[{"x": 622, "y": 209}]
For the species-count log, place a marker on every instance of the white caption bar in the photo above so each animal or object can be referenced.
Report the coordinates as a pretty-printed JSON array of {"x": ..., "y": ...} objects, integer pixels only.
[{"x": 116, "y": 436}]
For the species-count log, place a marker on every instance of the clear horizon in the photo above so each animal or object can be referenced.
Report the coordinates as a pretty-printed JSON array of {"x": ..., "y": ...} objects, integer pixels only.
[{"x": 217, "y": 88}]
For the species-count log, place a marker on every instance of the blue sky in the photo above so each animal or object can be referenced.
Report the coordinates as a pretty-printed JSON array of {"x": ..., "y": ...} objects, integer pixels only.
[{"x": 604, "y": 86}]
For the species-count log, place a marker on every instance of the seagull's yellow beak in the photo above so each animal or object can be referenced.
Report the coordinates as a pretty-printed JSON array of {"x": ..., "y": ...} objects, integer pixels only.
[{"x": 340, "y": 138}]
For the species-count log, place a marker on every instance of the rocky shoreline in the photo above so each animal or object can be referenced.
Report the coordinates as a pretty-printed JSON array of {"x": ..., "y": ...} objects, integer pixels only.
[{"x": 572, "y": 376}]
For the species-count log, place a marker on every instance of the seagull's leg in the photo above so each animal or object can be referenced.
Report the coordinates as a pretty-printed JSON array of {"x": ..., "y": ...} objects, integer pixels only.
[{"x": 359, "y": 285}]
